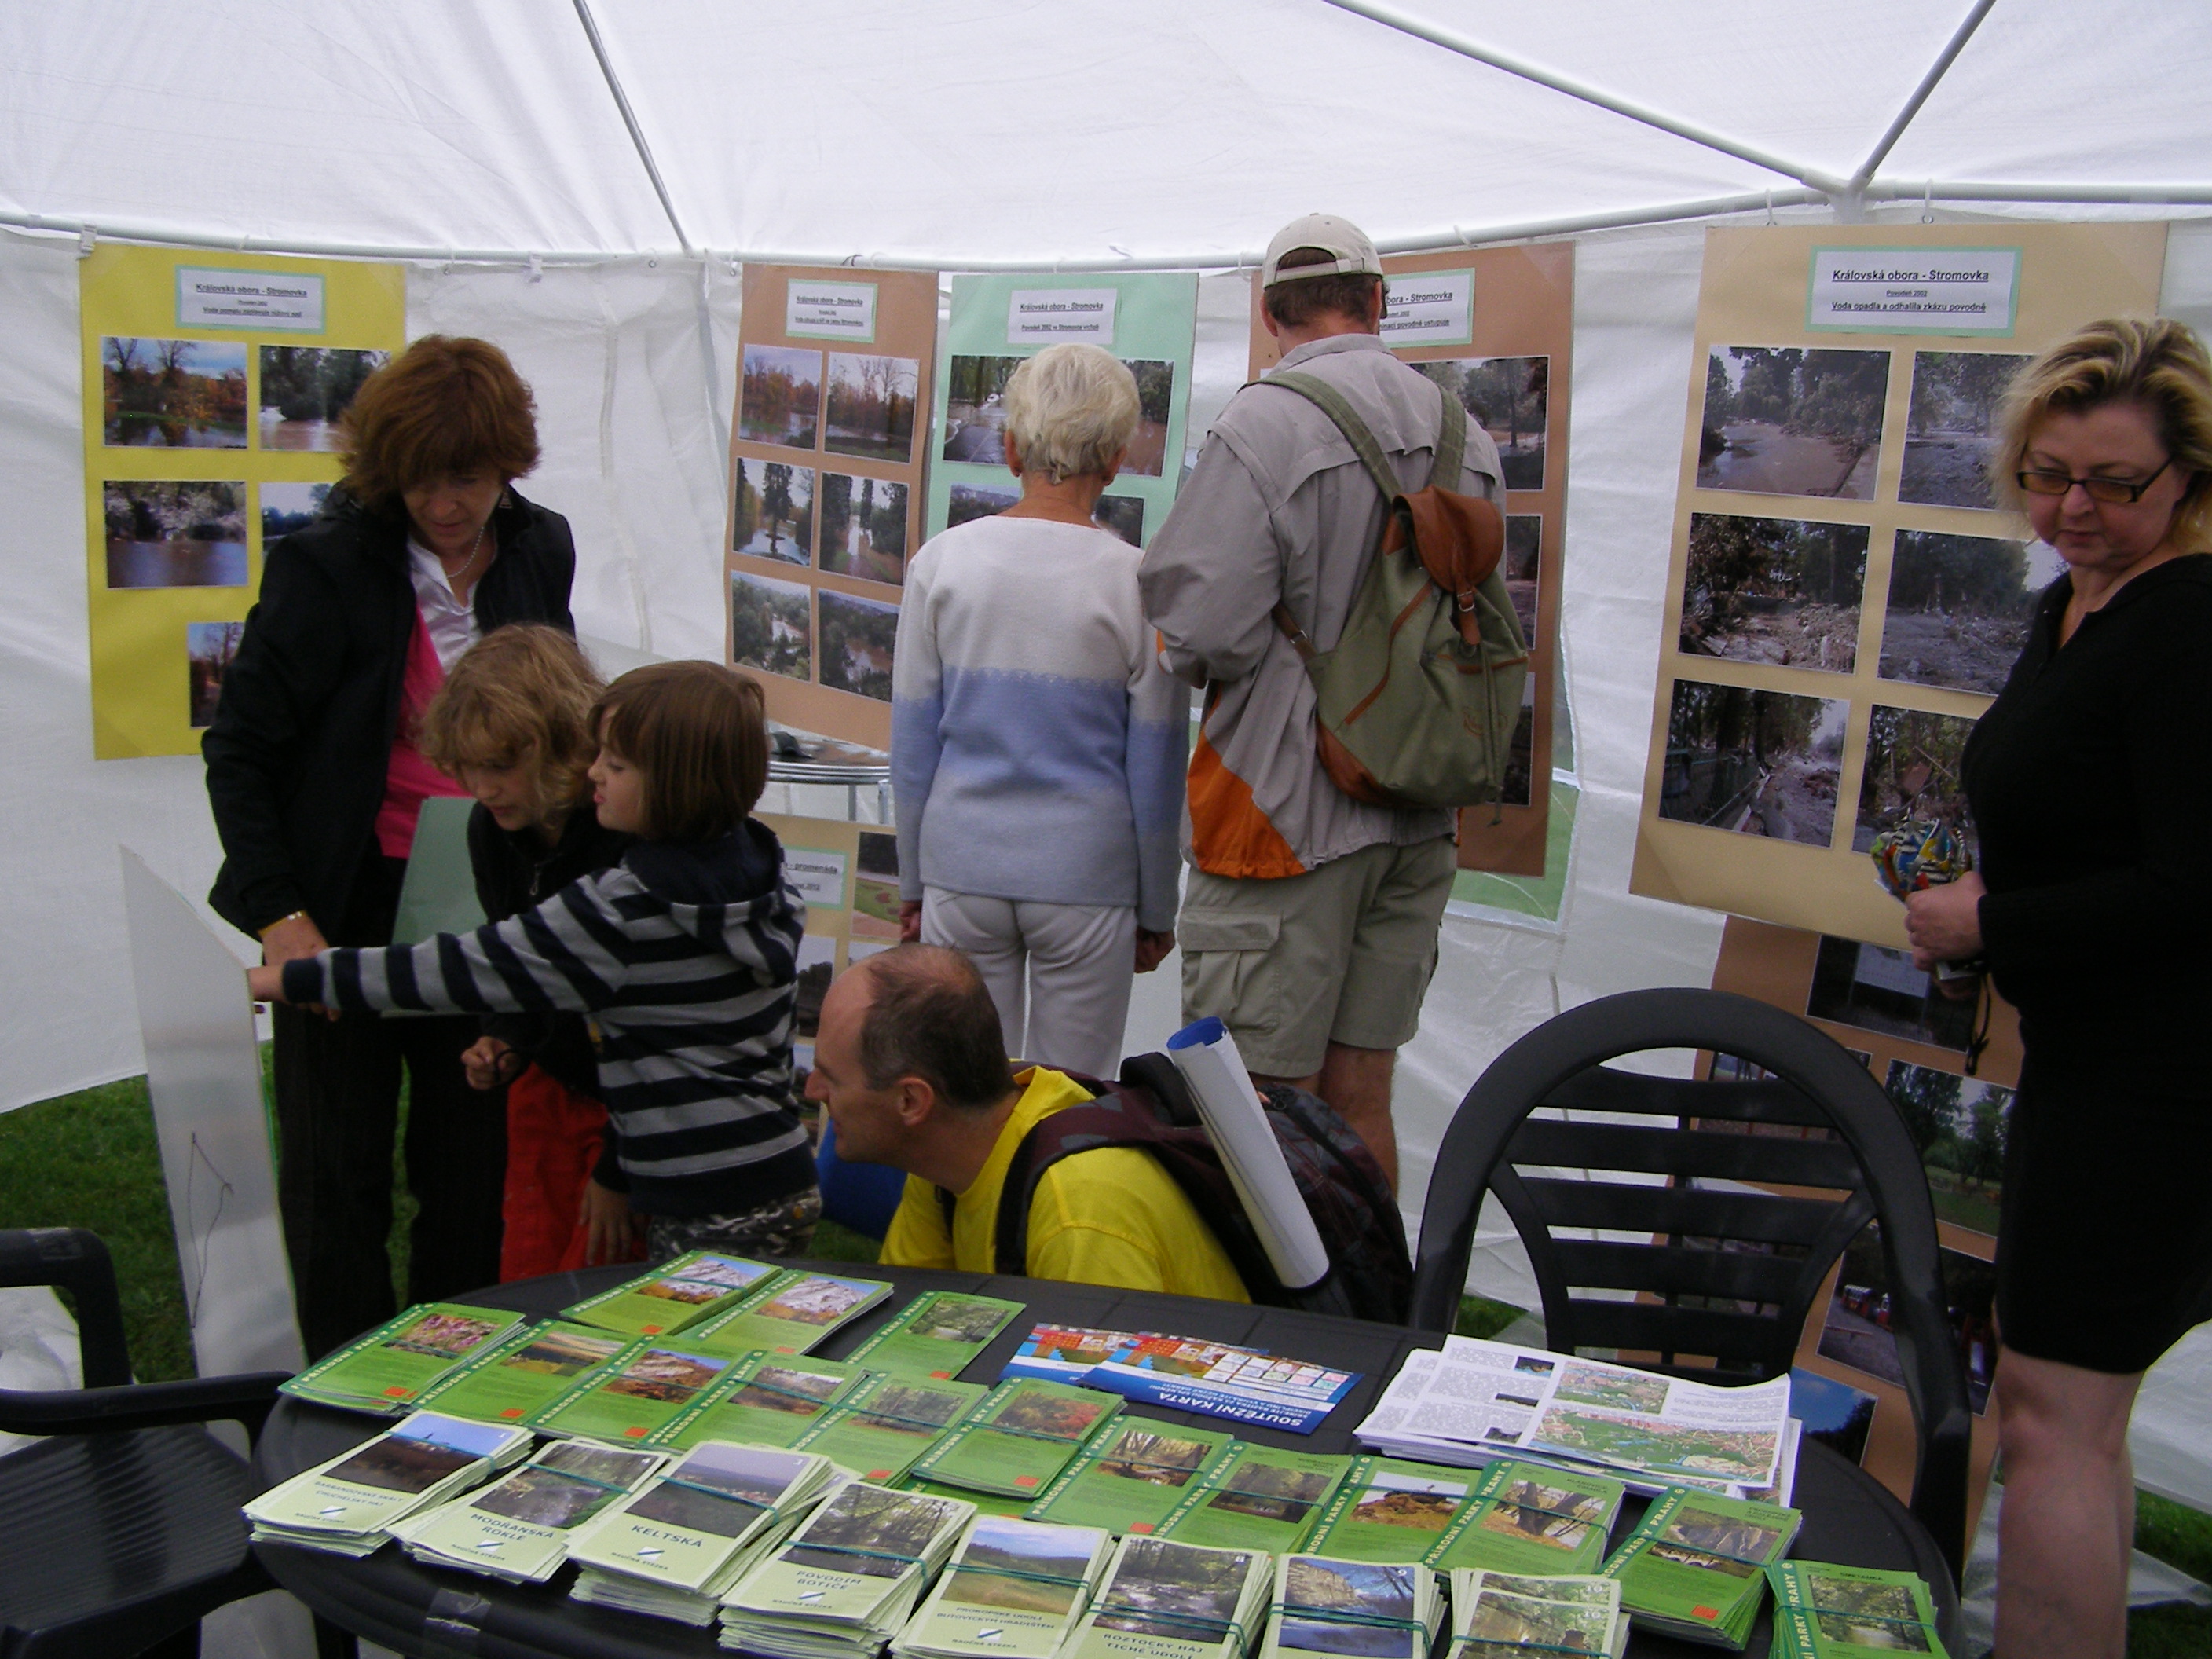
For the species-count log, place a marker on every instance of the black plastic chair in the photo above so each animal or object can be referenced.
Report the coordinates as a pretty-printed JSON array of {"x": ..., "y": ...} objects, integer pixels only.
[
  {"x": 1731, "y": 1273},
  {"x": 121, "y": 1530}
]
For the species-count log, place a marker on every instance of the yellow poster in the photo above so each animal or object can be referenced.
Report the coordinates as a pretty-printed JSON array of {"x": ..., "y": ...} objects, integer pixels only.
[
  {"x": 213, "y": 385},
  {"x": 1846, "y": 595}
]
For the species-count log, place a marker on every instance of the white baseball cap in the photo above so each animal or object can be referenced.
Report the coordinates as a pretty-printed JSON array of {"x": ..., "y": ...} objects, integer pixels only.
[{"x": 1354, "y": 253}]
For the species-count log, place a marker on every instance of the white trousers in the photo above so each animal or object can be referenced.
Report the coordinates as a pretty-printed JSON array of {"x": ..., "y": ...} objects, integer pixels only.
[{"x": 1075, "y": 962}]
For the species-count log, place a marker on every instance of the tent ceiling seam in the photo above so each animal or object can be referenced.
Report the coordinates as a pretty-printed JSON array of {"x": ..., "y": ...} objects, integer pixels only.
[
  {"x": 1961, "y": 191},
  {"x": 1583, "y": 92},
  {"x": 629, "y": 121},
  {"x": 1936, "y": 71}
]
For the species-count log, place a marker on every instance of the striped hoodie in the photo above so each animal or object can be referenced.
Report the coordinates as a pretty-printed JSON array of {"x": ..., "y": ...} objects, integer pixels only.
[{"x": 686, "y": 958}]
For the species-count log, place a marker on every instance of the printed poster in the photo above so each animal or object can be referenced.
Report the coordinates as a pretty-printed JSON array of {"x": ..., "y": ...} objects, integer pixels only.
[
  {"x": 213, "y": 385},
  {"x": 847, "y": 873},
  {"x": 826, "y": 461},
  {"x": 1846, "y": 595},
  {"x": 1495, "y": 328},
  {"x": 1149, "y": 321}
]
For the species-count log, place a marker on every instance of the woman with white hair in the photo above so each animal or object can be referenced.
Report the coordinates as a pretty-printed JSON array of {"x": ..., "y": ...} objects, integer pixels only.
[{"x": 1038, "y": 742}]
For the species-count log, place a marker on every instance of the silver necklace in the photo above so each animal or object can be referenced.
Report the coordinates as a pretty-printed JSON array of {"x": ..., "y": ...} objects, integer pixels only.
[{"x": 475, "y": 548}]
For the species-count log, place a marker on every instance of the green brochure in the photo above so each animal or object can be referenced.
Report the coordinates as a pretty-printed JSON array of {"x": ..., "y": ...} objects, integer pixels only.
[
  {"x": 1258, "y": 1497},
  {"x": 1530, "y": 1517},
  {"x": 1165, "y": 1600},
  {"x": 1374, "y": 1609},
  {"x": 766, "y": 1400},
  {"x": 1130, "y": 1477},
  {"x": 886, "y": 1424},
  {"x": 674, "y": 1296},
  {"x": 688, "y": 1525},
  {"x": 387, "y": 1370},
  {"x": 1013, "y": 1588},
  {"x": 1824, "y": 1612},
  {"x": 1391, "y": 1510},
  {"x": 1023, "y": 1435},
  {"x": 855, "y": 1568},
  {"x": 358, "y": 1494},
  {"x": 641, "y": 1389},
  {"x": 788, "y": 1315},
  {"x": 517, "y": 1527},
  {"x": 1696, "y": 1564},
  {"x": 534, "y": 1365},
  {"x": 1498, "y": 1615},
  {"x": 936, "y": 1335}
]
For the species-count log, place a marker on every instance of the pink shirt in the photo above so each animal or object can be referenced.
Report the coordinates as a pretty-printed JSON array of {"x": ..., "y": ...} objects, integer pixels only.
[{"x": 410, "y": 780}]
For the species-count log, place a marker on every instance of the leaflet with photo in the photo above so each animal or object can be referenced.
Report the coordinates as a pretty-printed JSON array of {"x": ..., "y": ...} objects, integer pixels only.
[
  {"x": 1012, "y": 1587},
  {"x": 885, "y": 1426},
  {"x": 688, "y": 1524},
  {"x": 1390, "y": 1509},
  {"x": 533, "y": 1365},
  {"x": 764, "y": 1400},
  {"x": 1532, "y": 1518},
  {"x": 1164, "y": 1599},
  {"x": 1023, "y": 1435},
  {"x": 674, "y": 1296},
  {"x": 517, "y": 1527},
  {"x": 347, "y": 1503},
  {"x": 936, "y": 1335},
  {"x": 1826, "y": 1612},
  {"x": 789, "y": 1315},
  {"x": 1502, "y": 1615},
  {"x": 644, "y": 1388},
  {"x": 388, "y": 1371},
  {"x": 1258, "y": 1497},
  {"x": 1130, "y": 1477},
  {"x": 1216, "y": 1379},
  {"x": 848, "y": 1578},
  {"x": 1696, "y": 1564},
  {"x": 1355, "y": 1609}
]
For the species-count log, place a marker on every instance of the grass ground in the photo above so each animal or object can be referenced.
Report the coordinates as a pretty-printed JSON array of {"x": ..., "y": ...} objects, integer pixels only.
[{"x": 89, "y": 1159}]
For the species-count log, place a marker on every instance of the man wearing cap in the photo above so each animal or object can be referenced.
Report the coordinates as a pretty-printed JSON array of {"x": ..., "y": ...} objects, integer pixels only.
[{"x": 1309, "y": 925}]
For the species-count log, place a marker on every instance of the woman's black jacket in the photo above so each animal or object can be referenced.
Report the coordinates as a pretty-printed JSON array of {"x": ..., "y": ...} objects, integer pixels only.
[{"x": 303, "y": 737}]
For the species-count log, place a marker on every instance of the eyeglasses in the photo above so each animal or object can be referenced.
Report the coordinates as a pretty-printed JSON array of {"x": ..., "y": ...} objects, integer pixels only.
[{"x": 2111, "y": 491}]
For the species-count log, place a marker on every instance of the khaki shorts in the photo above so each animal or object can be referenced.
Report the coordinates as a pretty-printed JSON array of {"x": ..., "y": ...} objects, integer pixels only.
[{"x": 1341, "y": 954}]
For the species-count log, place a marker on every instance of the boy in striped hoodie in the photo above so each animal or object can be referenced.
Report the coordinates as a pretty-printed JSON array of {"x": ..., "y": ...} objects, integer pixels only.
[{"x": 685, "y": 955}]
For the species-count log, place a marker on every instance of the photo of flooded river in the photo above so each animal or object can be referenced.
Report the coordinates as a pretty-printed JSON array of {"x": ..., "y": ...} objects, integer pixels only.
[{"x": 1793, "y": 421}]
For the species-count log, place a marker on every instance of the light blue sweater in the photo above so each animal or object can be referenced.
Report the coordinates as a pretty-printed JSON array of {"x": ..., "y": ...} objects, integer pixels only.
[{"x": 1038, "y": 742}]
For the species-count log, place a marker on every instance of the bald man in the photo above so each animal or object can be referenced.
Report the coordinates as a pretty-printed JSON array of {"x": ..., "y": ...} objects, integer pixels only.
[{"x": 911, "y": 1065}]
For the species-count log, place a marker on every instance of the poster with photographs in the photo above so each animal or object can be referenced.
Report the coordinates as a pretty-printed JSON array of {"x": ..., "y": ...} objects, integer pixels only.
[
  {"x": 825, "y": 487},
  {"x": 1845, "y": 596},
  {"x": 1147, "y": 319},
  {"x": 1494, "y": 329},
  {"x": 209, "y": 436}
]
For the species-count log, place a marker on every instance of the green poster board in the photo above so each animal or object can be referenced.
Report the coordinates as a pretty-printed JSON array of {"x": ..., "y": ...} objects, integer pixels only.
[{"x": 1147, "y": 319}]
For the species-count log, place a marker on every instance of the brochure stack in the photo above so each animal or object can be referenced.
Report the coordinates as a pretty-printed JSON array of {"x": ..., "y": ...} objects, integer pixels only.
[
  {"x": 847, "y": 1580},
  {"x": 644, "y": 1388},
  {"x": 696, "y": 1528},
  {"x": 1696, "y": 1564},
  {"x": 1376, "y": 1609},
  {"x": 1823, "y": 1612},
  {"x": 764, "y": 1400},
  {"x": 673, "y": 1297},
  {"x": 1496, "y": 1615},
  {"x": 1530, "y": 1518},
  {"x": 789, "y": 1313},
  {"x": 517, "y": 1527},
  {"x": 348, "y": 1505},
  {"x": 1130, "y": 1477},
  {"x": 526, "y": 1372},
  {"x": 935, "y": 1336},
  {"x": 1258, "y": 1497},
  {"x": 386, "y": 1372},
  {"x": 883, "y": 1426},
  {"x": 1388, "y": 1510},
  {"x": 1015, "y": 1444},
  {"x": 1162, "y": 1599},
  {"x": 1013, "y": 1588}
]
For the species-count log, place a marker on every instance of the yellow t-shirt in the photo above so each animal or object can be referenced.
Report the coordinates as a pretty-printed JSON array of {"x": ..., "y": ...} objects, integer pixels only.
[{"x": 1109, "y": 1217}]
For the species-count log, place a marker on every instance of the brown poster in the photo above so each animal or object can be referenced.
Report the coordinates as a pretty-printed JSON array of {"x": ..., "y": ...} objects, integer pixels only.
[
  {"x": 1844, "y": 597},
  {"x": 1495, "y": 327},
  {"x": 825, "y": 487}
]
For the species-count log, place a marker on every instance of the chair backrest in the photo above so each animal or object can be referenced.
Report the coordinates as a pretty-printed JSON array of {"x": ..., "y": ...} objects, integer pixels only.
[{"x": 1728, "y": 1269}]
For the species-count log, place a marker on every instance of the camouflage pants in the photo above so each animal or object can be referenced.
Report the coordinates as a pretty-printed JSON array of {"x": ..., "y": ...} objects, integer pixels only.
[{"x": 783, "y": 1228}]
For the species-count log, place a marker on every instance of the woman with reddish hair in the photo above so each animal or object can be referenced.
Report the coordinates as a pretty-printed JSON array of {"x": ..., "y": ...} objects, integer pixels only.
[{"x": 315, "y": 780}]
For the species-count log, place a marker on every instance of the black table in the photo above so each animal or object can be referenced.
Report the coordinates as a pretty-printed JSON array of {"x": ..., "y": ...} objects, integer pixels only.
[{"x": 1849, "y": 1517}]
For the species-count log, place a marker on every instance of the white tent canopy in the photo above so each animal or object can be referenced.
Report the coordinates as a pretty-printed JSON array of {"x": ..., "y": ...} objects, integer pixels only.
[{"x": 576, "y": 181}]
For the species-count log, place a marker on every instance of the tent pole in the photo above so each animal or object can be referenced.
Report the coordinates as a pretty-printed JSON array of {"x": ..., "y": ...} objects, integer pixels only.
[
  {"x": 1936, "y": 71},
  {"x": 1582, "y": 91},
  {"x": 629, "y": 121}
]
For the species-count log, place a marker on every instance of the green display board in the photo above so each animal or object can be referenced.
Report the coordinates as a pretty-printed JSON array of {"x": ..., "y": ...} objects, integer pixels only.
[{"x": 1149, "y": 321}]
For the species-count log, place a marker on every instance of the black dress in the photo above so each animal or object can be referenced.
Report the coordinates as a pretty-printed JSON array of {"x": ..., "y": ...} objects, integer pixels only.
[{"x": 2090, "y": 779}]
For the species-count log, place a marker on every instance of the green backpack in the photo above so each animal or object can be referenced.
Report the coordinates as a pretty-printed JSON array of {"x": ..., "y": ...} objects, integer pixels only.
[{"x": 1419, "y": 701}]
